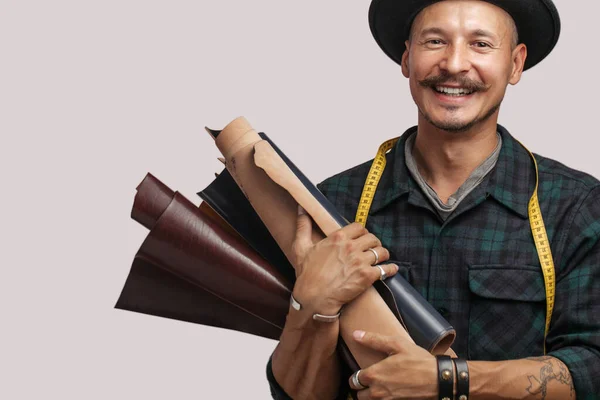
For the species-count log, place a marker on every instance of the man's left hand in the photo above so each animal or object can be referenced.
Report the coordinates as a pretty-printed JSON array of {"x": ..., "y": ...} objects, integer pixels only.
[{"x": 409, "y": 372}]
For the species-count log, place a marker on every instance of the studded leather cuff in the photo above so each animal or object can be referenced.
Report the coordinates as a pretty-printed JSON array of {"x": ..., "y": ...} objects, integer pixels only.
[
  {"x": 445, "y": 377},
  {"x": 462, "y": 376}
]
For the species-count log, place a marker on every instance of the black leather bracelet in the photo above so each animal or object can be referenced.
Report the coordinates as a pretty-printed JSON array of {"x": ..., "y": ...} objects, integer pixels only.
[
  {"x": 445, "y": 377},
  {"x": 462, "y": 379}
]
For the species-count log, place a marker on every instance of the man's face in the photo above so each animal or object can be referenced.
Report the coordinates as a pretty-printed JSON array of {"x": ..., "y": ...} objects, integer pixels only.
[{"x": 459, "y": 61}]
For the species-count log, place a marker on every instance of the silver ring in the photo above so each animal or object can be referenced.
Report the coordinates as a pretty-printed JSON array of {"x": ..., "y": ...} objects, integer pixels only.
[
  {"x": 382, "y": 275},
  {"x": 376, "y": 256},
  {"x": 356, "y": 382}
]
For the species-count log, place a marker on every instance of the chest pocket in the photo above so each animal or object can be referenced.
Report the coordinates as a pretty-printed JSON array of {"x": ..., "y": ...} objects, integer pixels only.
[{"x": 507, "y": 314}]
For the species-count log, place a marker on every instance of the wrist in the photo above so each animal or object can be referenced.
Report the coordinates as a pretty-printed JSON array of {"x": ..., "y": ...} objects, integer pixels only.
[
  {"x": 300, "y": 318},
  {"x": 315, "y": 303},
  {"x": 445, "y": 374}
]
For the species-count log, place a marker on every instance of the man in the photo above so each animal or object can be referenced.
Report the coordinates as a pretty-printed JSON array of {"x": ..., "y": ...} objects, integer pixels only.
[{"x": 452, "y": 207}]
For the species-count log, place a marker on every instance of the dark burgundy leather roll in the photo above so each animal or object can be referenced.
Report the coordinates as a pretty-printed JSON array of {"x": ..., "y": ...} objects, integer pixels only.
[
  {"x": 208, "y": 262},
  {"x": 154, "y": 291},
  {"x": 151, "y": 200}
]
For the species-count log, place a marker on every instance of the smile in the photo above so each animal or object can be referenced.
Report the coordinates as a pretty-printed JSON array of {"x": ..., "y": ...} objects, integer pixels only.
[{"x": 453, "y": 91}]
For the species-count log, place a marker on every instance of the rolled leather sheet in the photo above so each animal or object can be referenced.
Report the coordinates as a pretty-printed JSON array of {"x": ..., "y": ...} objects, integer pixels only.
[
  {"x": 225, "y": 198},
  {"x": 213, "y": 277},
  {"x": 244, "y": 149},
  {"x": 151, "y": 200},
  {"x": 152, "y": 290},
  {"x": 424, "y": 324},
  {"x": 278, "y": 211},
  {"x": 273, "y": 204},
  {"x": 422, "y": 321}
]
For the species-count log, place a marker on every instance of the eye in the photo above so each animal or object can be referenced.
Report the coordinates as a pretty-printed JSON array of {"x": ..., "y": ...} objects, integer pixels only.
[
  {"x": 482, "y": 45},
  {"x": 433, "y": 43}
]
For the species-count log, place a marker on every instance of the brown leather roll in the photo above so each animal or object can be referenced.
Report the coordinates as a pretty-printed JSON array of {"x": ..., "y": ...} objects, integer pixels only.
[
  {"x": 151, "y": 200},
  {"x": 192, "y": 244},
  {"x": 154, "y": 291}
]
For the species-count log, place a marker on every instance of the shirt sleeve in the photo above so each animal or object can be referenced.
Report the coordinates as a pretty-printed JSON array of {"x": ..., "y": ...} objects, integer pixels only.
[
  {"x": 574, "y": 335},
  {"x": 277, "y": 392}
]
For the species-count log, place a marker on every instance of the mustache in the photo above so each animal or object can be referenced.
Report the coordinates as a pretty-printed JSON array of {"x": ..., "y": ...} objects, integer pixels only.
[{"x": 462, "y": 81}]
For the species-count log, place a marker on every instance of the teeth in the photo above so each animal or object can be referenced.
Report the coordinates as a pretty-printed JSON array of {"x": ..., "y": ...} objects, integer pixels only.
[{"x": 453, "y": 91}]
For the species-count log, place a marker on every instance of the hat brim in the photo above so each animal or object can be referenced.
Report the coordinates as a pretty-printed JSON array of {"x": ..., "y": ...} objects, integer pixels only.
[{"x": 537, "y": 21}]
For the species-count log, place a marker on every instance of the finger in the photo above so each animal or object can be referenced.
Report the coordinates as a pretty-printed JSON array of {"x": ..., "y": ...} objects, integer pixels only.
[
  {"x": 385, "y": 344},
  {"x": 317, "y": 235},
  {"x": 353, "y": 230},
  {"x": 303, "y": 239},
  {"x": 361, "y": 380},
  {"x": 367, "y": 241},
  {"x": 369, "y": 257},
  {"x": 364, "y": 394},
  {"x": 374, "y": 273}
]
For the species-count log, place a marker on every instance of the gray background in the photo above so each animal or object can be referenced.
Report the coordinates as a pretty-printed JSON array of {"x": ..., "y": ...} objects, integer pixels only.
[{"x": 94, "y": 94}]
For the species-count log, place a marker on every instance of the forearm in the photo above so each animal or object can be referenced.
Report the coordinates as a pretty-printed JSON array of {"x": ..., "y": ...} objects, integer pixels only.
[
  {"x": 305, "y": 363},
  {"x": 540, "y": 378},
  {"x": 368, "y": 312}
]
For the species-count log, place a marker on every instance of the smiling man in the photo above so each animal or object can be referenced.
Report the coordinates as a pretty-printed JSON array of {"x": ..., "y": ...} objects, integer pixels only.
[{"x": 455, "y": 207}]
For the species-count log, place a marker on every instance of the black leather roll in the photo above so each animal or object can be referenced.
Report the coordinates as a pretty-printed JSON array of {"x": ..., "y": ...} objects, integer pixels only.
[
  {"x": 422, "y": 321},
  {"x": 316, "y": 193},
  {"x": 227, "y": 199}
]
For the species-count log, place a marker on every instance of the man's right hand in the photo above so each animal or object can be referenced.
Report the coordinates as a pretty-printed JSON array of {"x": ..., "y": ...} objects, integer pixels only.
[{"x": 332, "y": 272}]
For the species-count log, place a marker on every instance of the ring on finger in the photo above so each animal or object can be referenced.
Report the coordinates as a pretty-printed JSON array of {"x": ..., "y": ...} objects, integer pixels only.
[
  {"x": 356, "y": 382},
  {"x": 382, "y": 274},
  {"x": 376, "y": 255}
]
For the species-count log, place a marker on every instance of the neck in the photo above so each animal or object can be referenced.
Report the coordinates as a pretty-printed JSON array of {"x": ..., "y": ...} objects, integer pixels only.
[{"x": 446, "y": 159}]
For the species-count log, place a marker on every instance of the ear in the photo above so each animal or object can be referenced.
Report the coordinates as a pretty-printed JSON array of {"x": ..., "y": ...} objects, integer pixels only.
[
  {"x": 405, "y": 69},
  {"x": 519, "y": 55}
]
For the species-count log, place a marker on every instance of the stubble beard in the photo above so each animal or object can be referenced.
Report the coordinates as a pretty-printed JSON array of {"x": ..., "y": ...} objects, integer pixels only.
[{"x": 459, "y": 126}]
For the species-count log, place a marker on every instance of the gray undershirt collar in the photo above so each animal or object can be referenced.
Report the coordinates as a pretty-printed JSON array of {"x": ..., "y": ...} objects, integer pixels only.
[{"x": 476, "y": 177}]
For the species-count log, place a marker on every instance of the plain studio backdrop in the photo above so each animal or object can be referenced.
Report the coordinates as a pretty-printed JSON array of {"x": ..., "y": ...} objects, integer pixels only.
[{"x": 95, "y": 94}]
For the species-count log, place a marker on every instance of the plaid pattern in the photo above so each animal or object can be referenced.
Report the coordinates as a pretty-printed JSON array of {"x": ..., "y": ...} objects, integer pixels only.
[{"x": 480, "y": 267}]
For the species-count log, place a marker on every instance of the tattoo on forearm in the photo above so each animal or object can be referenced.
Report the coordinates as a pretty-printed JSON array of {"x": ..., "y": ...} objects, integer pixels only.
[{"x": 539, "y": 386}]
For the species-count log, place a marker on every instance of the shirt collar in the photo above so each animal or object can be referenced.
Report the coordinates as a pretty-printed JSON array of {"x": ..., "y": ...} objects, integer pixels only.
[
  {"x": 513, "y": 179},
  {"x": 511, "y": 182},
  {"x": 395, "y": 180}
]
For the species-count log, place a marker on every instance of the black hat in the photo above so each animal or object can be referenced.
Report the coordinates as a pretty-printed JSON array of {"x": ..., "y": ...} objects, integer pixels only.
[{"x": 537, "y": 21}]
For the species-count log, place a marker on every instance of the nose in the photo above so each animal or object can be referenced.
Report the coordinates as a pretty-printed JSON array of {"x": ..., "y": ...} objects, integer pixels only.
[{"x": 455, "y": 60}]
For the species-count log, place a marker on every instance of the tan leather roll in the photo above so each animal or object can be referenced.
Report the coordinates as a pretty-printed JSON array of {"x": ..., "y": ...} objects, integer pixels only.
[
  {"x": 277, "y": 208},
  {"x": 273, "y": 204}
]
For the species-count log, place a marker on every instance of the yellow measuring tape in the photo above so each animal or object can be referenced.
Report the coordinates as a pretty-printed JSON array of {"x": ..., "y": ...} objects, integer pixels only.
[
  {"x": 377, "y": 167},
  {"x": 538, "y": 229}
]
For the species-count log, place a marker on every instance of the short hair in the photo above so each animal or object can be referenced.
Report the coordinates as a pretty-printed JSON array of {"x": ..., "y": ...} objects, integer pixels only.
[{"x": 515, "y": 33}]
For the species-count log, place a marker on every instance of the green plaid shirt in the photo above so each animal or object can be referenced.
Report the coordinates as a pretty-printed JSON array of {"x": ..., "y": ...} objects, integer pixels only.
[{"x": 480, "y": 267}]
